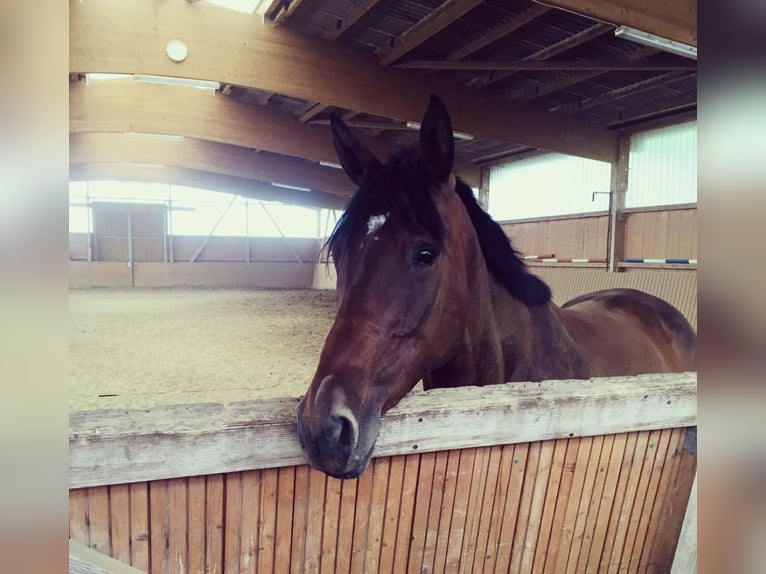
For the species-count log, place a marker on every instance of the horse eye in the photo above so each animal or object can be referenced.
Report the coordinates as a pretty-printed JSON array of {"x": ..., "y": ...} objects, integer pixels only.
[{"x": 424, "y": 255}]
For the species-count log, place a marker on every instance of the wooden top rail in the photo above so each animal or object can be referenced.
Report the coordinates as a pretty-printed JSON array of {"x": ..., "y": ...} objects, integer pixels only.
[
  {"x": 84, "y": 560},
  {"x": 124, "y": 446}
]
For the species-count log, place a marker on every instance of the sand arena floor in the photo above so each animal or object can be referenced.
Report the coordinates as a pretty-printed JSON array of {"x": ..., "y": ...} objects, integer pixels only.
[{"x": 137, "y": 348}]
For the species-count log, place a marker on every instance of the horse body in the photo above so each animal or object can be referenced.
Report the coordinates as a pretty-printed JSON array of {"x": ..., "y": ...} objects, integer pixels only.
[{"x": 430, "y": 288}]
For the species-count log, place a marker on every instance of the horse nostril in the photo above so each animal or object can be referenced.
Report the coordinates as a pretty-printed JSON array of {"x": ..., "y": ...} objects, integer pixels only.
[{"x": 346, "y": 436}]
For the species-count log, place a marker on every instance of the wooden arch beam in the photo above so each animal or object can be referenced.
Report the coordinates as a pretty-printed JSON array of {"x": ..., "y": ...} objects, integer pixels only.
[
  {"x": 676, "y": 20},
  {"x": 213, "y": 157},
  {"x": 126, "y": 105},
  {"x": 204, "y": 180},
  {"x": 119, "y": 37}
]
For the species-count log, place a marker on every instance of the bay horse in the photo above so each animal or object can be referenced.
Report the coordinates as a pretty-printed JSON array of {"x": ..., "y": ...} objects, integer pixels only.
[{"x": 429, "y": 287}]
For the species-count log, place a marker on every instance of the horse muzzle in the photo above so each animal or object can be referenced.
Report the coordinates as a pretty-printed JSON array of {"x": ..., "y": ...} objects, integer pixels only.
[{"x": 334, "y": 439}]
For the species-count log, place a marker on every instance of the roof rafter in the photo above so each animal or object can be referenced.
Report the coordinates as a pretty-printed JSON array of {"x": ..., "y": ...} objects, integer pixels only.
[
  {"x": 507, "y": 27},
  {"x": 576, "y": 78},
  {"x": 564, "y": 45},
  {"x": 214, "y": 157},
  {"x": 205, "y": 180},
  {"x": 675, "y": 20},
  {"x": 432, "y": 24},
  {"x": 126, "y": 105},
  {"x": 543, "y": 65},
  {"x": 343, "y": 24},
  {"x": 622, "y": 92},
  {"x": 118, "y": 37}
]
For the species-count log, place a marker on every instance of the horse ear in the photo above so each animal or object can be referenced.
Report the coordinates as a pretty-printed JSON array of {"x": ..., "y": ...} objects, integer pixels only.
[
  {"x": 358, "y": 162},
  {"x": 437, "y": 146}
]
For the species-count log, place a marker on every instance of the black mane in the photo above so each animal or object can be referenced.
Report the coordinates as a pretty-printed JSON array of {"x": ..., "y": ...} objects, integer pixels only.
[{"x": 401, "y": 188}]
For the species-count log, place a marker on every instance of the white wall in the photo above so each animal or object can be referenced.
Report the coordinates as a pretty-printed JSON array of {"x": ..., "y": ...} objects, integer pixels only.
[
  {"x": 663, "y": 166},
  {"x": 550, "y": 184}
]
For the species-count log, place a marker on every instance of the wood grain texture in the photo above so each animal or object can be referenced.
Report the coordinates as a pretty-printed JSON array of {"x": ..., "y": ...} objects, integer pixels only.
[
  {"x": 113, "y": 38},
  {"x": 108, "y": 447}
]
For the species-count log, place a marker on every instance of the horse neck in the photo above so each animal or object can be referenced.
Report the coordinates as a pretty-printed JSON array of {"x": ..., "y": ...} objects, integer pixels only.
[{"x": 535, "y": 343}]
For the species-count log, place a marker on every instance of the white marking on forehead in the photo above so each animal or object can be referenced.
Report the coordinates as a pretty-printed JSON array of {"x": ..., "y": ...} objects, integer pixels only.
[{"x": 375, "y": 222}]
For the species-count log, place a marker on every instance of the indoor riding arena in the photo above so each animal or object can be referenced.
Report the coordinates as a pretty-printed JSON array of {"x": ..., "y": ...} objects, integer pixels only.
[{"x": 207, "y": 173}]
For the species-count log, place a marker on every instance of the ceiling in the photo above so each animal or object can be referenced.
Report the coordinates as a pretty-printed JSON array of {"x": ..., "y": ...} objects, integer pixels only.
[{"x": 519, "y": 78}]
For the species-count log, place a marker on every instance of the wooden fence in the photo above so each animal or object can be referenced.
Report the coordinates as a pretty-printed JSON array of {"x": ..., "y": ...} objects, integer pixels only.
[{"x": 560, "y": 476}]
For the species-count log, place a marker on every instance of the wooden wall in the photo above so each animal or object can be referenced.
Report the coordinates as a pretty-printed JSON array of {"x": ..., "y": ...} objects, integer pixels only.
[
  {"x": 601, "y": 504},
  {"x": 663, "y": 234},
  {"x": 577, "y": 236},
  {"x": 666, "y": 232}
]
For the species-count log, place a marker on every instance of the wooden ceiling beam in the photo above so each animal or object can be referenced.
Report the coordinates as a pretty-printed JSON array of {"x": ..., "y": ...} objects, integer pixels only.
[
  {"x": 205, "y": 180},
  {"x": 682, "y": 103},
  {"x": 343, "y": 24},
  {"x": 280, "y": 15},
  {"x": 111, "y": 36},
  {"x": 500, "y": 31},
  {"x": 676, "y": 20},
  {"x": 564, "y": 45},
  {"x": 122, "y": 105},
  {"x": 429, "y": 26},
  {"x": 623, "y": 92},
  {"x": 115, "y": 147},
  {"x": 313, "y": 111},
  {"x": 576, "y": 78},
  {"x": 547, "y": 65}
]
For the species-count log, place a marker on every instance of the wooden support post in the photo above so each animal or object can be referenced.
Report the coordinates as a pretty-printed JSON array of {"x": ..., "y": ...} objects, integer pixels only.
[
  {"x": 484, "y": 187},
  {"x": 619, "y": 186}
]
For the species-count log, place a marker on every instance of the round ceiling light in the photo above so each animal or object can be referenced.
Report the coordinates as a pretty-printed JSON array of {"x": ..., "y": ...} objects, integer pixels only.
[{"x": 176, "y": 50}]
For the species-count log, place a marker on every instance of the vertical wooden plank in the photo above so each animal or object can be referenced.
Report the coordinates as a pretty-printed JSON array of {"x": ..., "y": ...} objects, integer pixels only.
[
  {"x": 268, "y": 520},
  {"x": 652, "y": 248},
  {"x": 345, "y": 545},
  {"x": 434, "y": 512},
  {"x": 584, "y": 503},
  {"x": 498, "y": 508},
  {"x": 284, "y": 531},
  {"x": 626, "y": 467},
  {"x": 214, "y": 523},
  {"x": 330, "y": 526},
  {"x": 661, "y": 233},
  {"x": 665, "y": 443},
  {"x": 673, "y": 510},
  {"x": 548, "y": 560},
  {"x": 315, "y": 520},
  {"x": 606, "y": 502},
  {"x": 425, "y": 488},
  {"x": 380, "y": 474},
  {"x": 445, "y": 512},
  {"x": 534, "y": 524},
  {"x": 249, "y": 521},
  {"x": 391, "y": 517},
  {"x": 595, "y": 500},
  {"x": 98, "y": 514},
  {"x": 177, "y": 527},
  {"x": 526, "y": 505},
  {"x": 475, "y": 505},
  {"x": 119, "y": 522},
  {"x": 139, "y": 525},
  {"x": 409, "y": 495},
  {"x": 362, "y": 519},
  {"x": 611, "y": 563},
  {"x": 634, "y": 513},
  {"x": 79, "y": 529},
  {"x": 557, "y": 562},
  {"x": 459, "y": 509},
  {"x": 550, "y": 504},
  {"x": 524, "y": 458},
  {"x": 488, "y": 501},
  {"x": 300, "y": 519},
  {"x": 197, "y": 523},
  {"x": 159, "y": 532},
  {"x": 233, "y": 521}
]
